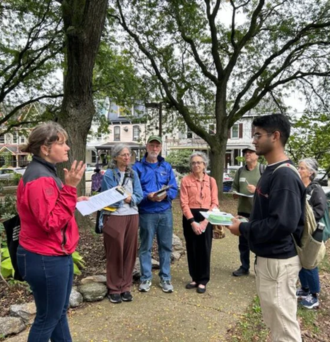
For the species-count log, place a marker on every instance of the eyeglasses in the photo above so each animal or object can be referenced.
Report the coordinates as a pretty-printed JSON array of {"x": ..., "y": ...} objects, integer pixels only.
[
  {"x": 257, "y": 136},
  {"x": 125, "y": 155},
  {"x": 197, "y": 163}
]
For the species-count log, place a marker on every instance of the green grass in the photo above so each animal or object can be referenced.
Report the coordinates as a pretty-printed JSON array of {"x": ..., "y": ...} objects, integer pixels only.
[{"x": 250, "y": 327}]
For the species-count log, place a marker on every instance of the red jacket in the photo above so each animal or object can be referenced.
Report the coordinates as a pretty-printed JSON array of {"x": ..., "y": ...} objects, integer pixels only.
[{"x": 46, "y": 208}]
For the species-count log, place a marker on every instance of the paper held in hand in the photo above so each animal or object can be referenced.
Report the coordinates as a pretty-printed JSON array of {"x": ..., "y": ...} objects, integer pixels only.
[
  {"x": 243, "y": 195},
  {"x": 220, "y": 218},
  {"x": 101, "y": 200}
]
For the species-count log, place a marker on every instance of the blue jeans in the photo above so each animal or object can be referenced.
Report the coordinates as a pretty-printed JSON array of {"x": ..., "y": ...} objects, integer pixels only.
[
  {"x": 160, "y": 224},
  {"x": 50, "y": 279},
  {"x": 309, "y": 279}
]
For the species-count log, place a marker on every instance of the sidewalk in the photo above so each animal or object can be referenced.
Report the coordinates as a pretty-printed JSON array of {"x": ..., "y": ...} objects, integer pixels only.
[{"x": 181, "y": 316}]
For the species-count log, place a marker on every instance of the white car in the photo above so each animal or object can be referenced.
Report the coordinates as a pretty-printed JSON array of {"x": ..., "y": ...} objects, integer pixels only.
[
  {"x": 227, "y": 178},
  {"x": 8, "y": 173}
]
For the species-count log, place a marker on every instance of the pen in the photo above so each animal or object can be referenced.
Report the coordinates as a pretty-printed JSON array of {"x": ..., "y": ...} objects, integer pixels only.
[{"x": 247, "y": 182}]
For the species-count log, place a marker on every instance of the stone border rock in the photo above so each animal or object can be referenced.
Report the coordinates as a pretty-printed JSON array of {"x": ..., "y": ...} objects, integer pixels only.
[{"x": 90, "y": 289}]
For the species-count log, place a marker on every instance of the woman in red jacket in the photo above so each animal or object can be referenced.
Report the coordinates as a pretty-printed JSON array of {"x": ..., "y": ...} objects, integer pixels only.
[{"x": 49, "y": 232}]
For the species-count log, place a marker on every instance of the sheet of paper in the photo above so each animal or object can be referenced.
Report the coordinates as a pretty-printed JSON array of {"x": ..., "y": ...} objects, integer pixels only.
[
  {"x": 226, "y": 216},
  {"x": 243, "y": 195},
  {"x": 101, "y": 200}
]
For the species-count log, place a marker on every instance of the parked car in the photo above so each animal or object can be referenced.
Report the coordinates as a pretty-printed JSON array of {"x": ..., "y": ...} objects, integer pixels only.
[
  {"x": 8, "y": 173},
  {"x": 322, "y": 177},
  {"x": 227, "y": 182}
]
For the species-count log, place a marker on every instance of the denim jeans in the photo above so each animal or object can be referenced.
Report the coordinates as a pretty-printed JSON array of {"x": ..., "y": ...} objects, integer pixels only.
[
  {"x": 160, "y": 224},
  {"x": 50, "y": 279},
  {"x": 309, "y": 279}
]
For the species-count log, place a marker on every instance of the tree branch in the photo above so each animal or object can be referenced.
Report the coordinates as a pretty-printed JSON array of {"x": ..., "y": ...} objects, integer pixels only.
[
  {"x": 215, "y": 44},
  {"x": 22, "y": 105}
]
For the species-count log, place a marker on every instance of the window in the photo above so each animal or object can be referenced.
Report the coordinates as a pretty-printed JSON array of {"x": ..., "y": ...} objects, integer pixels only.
[
  {"x": 2, "y": 139},
  {"x": 22, "y": 140},
  {"x": 15, "y": 137},
  {"x": 116, "y": 133},
  {"x": 136, "y": 133},
  {"x": 99, "y": 136},
  {"x": 93, "y": 157},
  {"x": 236, "y": 131},
  {"x": 189, "y": 133}
]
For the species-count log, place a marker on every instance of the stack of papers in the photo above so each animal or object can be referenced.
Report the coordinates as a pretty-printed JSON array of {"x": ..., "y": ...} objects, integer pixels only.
[
  {"x": 220, "y": 218},
  {"x": 101, "y": 200},
  {"x": 243, "y": 195}
]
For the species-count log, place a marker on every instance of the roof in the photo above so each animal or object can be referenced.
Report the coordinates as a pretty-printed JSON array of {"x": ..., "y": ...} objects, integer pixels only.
[{"x": 13, "y": 149}]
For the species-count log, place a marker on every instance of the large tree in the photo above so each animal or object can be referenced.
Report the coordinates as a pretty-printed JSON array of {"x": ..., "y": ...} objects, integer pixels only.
[
  {"x": 31, "y": 43},
  {"x": 311, "y": 138},
  {"x": 224, "y": 57},
  {"x": 40, "y": 40}
]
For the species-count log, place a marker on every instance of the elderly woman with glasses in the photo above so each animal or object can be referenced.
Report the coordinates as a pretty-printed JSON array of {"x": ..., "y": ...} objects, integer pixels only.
[
  {"x": 198, "y": 192},
  {"x": 309, "y": 279},
  {"x": 120, "y": 224}
]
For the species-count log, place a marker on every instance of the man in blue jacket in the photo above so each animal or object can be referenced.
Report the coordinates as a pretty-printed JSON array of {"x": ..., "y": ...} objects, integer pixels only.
[{"x": 155, "y": 211}]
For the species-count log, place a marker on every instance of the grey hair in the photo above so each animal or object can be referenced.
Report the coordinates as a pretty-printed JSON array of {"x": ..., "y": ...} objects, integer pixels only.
[
  {"x": 199, "y": 154},
  {"x": 115, "y": 151},
  {"x": 312, "y": 166}
]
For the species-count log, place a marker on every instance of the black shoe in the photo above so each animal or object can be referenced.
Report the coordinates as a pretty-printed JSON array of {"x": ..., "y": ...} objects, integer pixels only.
[
  {"x": 201, "y": 289},
  {"x": 190, "y": 286},
  {"x": 241, "y": 272},
  {"x": 126, "y": 296},
  {"x": 114, "y": 298}
]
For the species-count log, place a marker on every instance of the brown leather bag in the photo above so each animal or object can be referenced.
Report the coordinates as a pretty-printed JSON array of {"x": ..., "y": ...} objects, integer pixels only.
[{"x": 218, "y": 232}]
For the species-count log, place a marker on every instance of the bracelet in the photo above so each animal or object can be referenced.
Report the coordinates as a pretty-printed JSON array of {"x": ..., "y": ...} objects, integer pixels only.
[{"x": 191, "y": 220}]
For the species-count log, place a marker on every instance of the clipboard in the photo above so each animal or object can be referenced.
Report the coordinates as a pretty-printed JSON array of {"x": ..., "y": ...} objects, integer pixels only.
[{"x": 163, "y": 189}]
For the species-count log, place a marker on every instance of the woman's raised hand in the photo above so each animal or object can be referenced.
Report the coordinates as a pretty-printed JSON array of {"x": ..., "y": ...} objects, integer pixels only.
[{"x": 73, "y": 176}]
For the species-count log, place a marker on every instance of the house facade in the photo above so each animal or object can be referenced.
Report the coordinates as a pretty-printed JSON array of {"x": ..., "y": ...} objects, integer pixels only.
[
  {"x": 135, "y": 125},
  {"x": 10, "y": 154}
]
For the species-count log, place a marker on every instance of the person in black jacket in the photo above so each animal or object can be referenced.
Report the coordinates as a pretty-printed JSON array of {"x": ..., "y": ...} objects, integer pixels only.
[
  {"x": 309, "y": 279},
  {"x": 277, "y": 215}
]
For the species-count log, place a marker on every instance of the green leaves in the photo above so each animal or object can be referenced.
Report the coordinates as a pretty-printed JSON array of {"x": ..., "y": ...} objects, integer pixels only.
[
  {"x": 78, "y": 263},
  {"x": 6, "y": 266}
]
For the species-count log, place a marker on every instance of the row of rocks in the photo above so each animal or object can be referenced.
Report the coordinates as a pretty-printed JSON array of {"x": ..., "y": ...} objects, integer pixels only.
[{"x": 90, "y": 289}]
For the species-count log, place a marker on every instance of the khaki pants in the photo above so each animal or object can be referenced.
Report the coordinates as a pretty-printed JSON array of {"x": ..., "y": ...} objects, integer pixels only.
[{"x": 276, "y": 286}]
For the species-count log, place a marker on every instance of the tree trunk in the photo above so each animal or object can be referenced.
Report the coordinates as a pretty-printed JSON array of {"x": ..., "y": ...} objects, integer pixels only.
[
  {"x": 217, "y": 160},
  {"x": 83, "y": 24}
]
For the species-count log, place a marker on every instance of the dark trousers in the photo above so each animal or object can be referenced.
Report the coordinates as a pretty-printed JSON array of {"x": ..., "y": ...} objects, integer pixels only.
[
  {"x": 309, "y": 279},
  {"x": 244, "y": 249},
  {"x": 198, "y": 249},
  {"x": 50, "y": 279},
  {"x": 120, "y": 242}
]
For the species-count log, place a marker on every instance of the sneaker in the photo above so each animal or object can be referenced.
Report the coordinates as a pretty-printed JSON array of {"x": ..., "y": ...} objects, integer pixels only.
[
  {"x": 126, "y": 296},
  {"x": 114, "y": 298},
  {"x": 166, "y": 285},
  {"x": 310, "y": 302},
  {"x": 302, "y": 294},
  {"x": 145, "y": 286},
  {"x": 241, "y": 272}
]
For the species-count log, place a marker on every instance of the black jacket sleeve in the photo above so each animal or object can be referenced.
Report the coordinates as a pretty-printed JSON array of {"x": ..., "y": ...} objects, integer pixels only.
[{"x": 318, "y": 201}]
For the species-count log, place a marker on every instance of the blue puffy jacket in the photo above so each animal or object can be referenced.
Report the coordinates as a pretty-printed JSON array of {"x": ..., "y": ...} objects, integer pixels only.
[{"x": 153, "y": 179}]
